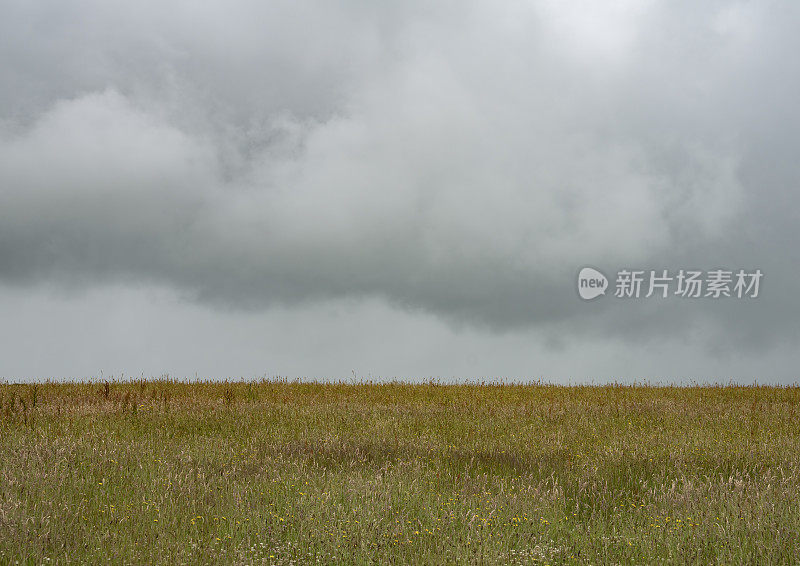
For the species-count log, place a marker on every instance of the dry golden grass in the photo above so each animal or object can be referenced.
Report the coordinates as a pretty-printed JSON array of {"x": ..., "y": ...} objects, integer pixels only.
[{"x": 294, "y": 473}]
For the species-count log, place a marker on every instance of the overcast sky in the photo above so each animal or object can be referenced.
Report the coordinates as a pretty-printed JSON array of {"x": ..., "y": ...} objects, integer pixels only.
[{"x": 396, "y": 189}]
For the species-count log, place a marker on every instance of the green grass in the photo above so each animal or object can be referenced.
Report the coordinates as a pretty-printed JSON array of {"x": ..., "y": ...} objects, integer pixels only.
[{"x": 295, "y": 473}]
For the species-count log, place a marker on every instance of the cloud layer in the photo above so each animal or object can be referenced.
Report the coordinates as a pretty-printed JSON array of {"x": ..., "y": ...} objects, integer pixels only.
[{"x": 462, "y": 159}]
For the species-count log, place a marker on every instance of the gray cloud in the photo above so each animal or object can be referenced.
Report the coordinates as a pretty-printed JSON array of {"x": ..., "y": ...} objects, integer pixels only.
[{"x": 462, "y": 160}]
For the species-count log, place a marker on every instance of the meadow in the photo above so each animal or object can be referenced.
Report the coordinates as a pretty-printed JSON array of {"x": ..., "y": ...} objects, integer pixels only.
[{"x": 277, "y": 472}]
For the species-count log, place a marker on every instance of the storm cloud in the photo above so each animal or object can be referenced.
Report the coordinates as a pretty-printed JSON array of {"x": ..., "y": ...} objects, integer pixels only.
[{"x": 456, "y": 160}]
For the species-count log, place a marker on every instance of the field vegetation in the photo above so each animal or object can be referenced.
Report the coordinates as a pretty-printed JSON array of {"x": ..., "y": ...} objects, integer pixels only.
[{"x": 278, "y": 472}]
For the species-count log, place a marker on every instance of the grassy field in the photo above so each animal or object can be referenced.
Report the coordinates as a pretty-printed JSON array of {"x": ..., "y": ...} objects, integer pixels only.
[{"x": 296, "y": 473}]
